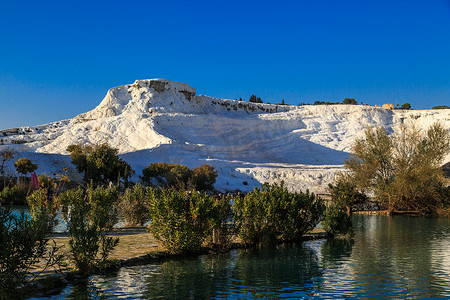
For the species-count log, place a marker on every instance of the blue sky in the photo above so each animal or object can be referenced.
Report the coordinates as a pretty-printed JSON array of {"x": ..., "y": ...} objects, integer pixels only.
[{"x": 59, "y": 58}]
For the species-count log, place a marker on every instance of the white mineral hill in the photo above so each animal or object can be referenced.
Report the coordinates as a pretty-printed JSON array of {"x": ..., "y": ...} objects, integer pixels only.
[{"x": 158, "y": 120}]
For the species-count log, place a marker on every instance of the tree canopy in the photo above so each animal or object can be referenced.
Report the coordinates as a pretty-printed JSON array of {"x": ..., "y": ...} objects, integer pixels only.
[
  {"x": 99, "y": 162},
  {"x": 402, "y": 170}
]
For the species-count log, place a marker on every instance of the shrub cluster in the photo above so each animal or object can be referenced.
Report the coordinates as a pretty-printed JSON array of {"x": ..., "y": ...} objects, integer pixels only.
[
  {"x": 15, "y": 195},
  {"x": 24, "y": 244},
  {"x": 202, "y": 178},
  {"x": 272, "y": 214},
  {"x": 182, "y": 221},
  {"x": 92, "y": 214}
]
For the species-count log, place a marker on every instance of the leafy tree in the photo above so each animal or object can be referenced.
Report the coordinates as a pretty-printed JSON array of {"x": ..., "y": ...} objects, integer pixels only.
[
  {"x": 25, "y": 166},
  {"x": 405, "y": 106},
  {"x": 403, "y": 169},
  {"x": 100, "y": 163},
  {"x": 204, "y": 177},
  {"x": 134, "y": 206},
  {"x": 350, "y": 101},
  {"x": 5, "y": 156},
  {"x": 441, "y": 107}
]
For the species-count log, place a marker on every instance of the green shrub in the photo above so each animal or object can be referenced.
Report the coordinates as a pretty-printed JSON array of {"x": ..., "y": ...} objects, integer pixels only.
[
  {"x": 16, "y": 195},
  {"x": 344, "y": 192},
  {"x": 134, "y": 206},
  {"x": 337, "y": 222},
  {"x": 24, "y": 244},
  {"x": 92, "y": 215},
  {"x": 221, "y": 220},
  {"x": 180, "y": 176},
  {"x": 272, "y": 214},
  {"x": 41, "y": 202},
  {"x": 181, "y": 221}
]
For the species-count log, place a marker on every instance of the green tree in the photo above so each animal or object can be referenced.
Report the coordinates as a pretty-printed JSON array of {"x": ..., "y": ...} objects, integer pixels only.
[
  {"x": 402, "y": 169},
  {"x": 25, "y": 166},
  {"x": 406, "y": 106},
  {"x": 204, "y": 177},
  {"x": 350, "y": 101},
  {"x": 100, "y": 163}
]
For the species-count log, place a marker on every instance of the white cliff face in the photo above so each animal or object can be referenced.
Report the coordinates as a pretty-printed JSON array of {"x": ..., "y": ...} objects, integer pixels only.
[{"x": 158, "y": 120}]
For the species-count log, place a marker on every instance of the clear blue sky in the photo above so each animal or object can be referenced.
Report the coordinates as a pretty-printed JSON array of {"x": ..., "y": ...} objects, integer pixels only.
[{"x": 59, "y": 58}]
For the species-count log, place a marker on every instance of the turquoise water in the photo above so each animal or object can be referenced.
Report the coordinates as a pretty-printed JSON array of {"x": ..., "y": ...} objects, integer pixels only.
[{"x": 390, "y": 257}]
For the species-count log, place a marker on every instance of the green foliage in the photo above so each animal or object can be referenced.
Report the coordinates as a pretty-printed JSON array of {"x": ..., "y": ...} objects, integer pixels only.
[
  {"x": 337, "y": 222},
  {"x": 92, "y": 215},
  {"x": 42, "y": 202},
  {"x": 204, "y": 177},
  {"x": 272, "y": 214},
  {"x": 403, "y": 169},
  {"x": 181, "y": 221},
  {"x": 350, "y": 101},
  {"x": 405, "y": 106},
  {"x": 134, "y": 206},
  {"x": 16, "y": 194},
  {"x": 180, "y": 176},
  {"x": 325, "y": 103},
  {"x": 441, "y": 107},
  {"x": 344, "y": 192},
  {"x": 100, "y": 163},
  {"x": 24, "y": 244},
  {"x": 25, "y": 166}
]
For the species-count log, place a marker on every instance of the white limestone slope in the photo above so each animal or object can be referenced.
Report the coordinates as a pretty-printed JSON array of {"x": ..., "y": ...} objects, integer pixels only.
[{"x": 159, "y": 120}]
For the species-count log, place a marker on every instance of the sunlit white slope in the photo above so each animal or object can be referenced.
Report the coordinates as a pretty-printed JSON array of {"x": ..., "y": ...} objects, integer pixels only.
[{"x": 159, "y": 120}]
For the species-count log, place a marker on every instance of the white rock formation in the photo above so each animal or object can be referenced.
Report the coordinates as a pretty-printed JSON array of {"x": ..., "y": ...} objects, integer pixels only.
[{"x": 158, "y": 120}]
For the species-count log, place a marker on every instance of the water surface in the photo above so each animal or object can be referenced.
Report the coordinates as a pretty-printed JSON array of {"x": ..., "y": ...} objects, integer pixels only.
[{"x": 390, "y": 257}]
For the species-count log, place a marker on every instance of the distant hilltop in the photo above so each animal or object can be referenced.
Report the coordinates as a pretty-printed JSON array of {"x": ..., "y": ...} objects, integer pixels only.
[{"x": 158, "y": 120}]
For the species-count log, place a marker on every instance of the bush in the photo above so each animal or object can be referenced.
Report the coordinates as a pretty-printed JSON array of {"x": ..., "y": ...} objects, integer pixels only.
[
  {"x": 180, "y": 176},
  {"x": 92, "y": 215},
  {"x": 272, "y": 214},
  {"x": 24, "y": 244},
  {"x": 344, "y": 192},
  {"x": 134, "y": 206},
  {"x": 181, "y": 221},
  {"x": 337, "y": 222},
  {"x": 42, "y": 202},
  {"x": 16, "y": 195}
]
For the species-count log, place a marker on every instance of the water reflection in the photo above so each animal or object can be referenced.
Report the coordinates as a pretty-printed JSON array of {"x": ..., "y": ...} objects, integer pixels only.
[{"x": 389, "y": 257}]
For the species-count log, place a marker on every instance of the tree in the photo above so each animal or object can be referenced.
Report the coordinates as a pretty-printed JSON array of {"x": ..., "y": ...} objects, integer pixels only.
[
  {"x": 350, "y": 101},
  {"x": 25, "y": 166},
  {"x": 204, "y": 177},
  {"x": 402, "y": 169},
  {"x": 5, "y": 155},
  {"x": 99, "y": 163},
  {"x": 406, "y": 106},
  {"x": 255, "y": 99}
]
